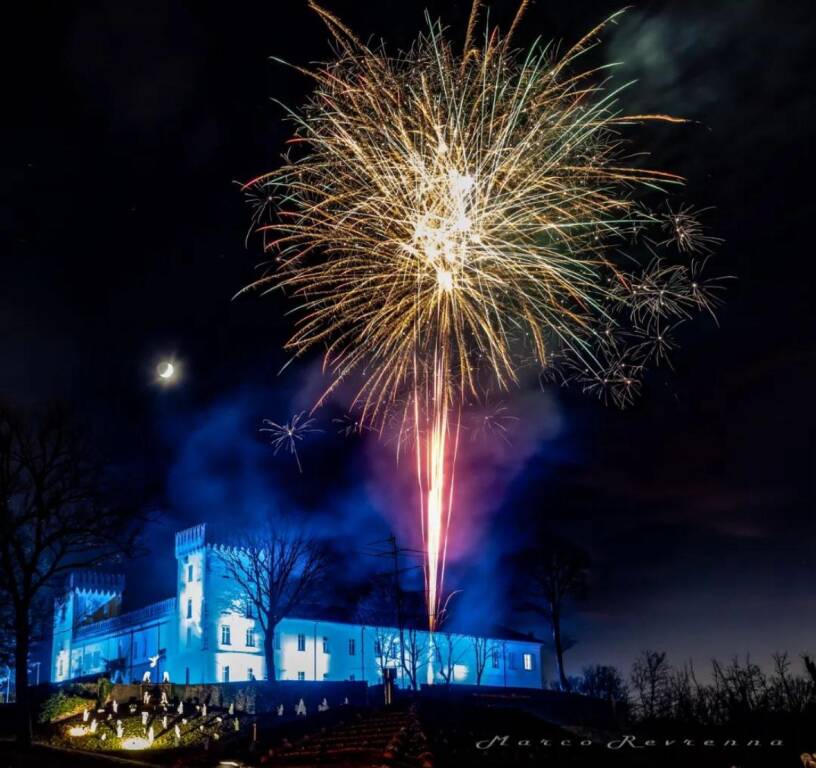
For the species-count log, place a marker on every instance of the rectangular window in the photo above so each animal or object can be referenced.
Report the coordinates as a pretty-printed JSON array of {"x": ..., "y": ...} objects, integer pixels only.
[
  {"x": 301, "y": 642},
  {"x": 495, "y": 658},
  {"x": 325, "y": 645},
  {"x": 189, "y": 636},
  {"x": 301, "y": 675},
  {"x": 249, "y": 608},
  {"x": 189, "y": 573},
  {"x": 226, "y": 674},
  {"x": 189, "y": 608},
  {"x": 226, "y": 638},
  {"x": 352, "y": 647},
  {"x": 250, "y": 638},
  {"x": 527, "y": 659},
  {"x": 277, "y": 641}
]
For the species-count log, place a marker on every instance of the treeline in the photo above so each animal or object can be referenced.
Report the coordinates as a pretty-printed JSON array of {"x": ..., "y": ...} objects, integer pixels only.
[{"x": 655, "y": 690}]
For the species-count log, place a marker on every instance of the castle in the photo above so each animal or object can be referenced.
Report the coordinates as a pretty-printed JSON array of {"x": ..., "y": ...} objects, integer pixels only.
[{"x": 204, "y": 635}]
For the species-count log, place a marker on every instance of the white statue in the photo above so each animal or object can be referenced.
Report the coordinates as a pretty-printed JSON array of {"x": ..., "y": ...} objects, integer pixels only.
[
  {"x": 165, "y": 676},
  {"x": 144, "y": 718},
  {"x": 119, "y": 729},
  {"x": 146, "y": 677},
  {"x": 93, "y": 725},
  {"x": 146, "y": 698},
  {"x": 345, "y": 701},
  {"x": 154, "y": 660},
  {"x": 300, "y": 709},
  {"x": 150, "y": 736},
  {"x": 164, "y": 698},
  {"x": 110, "y": 716},
  {"x": 218, "y": 719},
  {"x": 104, "y": 736},
  {"x": 177, "y": 731},
  {"x": 323, "y": 706},
  {"x": 184, "y": 721},
  {"x": 115, "y": 706},
  {"x": 280, "y": 710},
  {"x": 204, "y": 710},
  {"x": 180, "y": 707},
  {"x": 231, "y": 709},
  {"x": 236, "y": 724},
  {"x": 85, "y": 715},
  {"x": 164, "y": 722},
  {"x": 201, "y": 728}
]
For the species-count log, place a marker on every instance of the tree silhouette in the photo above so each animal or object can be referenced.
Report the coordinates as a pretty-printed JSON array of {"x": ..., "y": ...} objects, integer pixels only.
[
  {"x": 554, "y": 572},
  {"x": 55, "y": 516}
]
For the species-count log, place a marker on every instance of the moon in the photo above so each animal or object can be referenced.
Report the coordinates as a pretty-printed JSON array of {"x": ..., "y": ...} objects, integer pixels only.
[{"x": 166, "y": 370}]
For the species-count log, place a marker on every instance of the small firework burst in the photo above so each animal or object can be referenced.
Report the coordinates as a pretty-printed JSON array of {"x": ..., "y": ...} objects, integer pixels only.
[
  {"x": 493, "y": 421},
  {"x": 348, "y": 424},
  {"x": 685, "y": 230},
  {"x": 286, "y": 436}
]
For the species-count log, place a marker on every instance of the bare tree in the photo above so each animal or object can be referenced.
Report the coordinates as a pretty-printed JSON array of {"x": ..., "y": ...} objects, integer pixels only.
[
  {"x": 650, "y": 681},
  {"x": 376, "y": 611},
  {"x": 554, "y": 572},
  {"x": 54, "y": 517},
  {"x": 275, "y": 569},
  {"x": 483, "y": 649},
  {"x": 450, "y": 650}
]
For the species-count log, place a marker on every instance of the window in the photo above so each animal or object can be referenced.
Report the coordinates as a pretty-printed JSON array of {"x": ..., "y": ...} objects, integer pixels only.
[
  {"x": 301, "y": 642},
  {"x": 352, "y": 647},
  {"x": 249, "y": 608},
  {"x": 250, "y": 638},
  {"x": 301, "y": 675},
  {"x": 494, "y": 654},
  {"x": 189, "y": 573},
  {"x": 325, "y": 645},
  {"x": 226, "y": 674},
  {"x": 59, "y": 667},
  {"x": 226, "y": 635},
  {"x": 527, "y": 660},
  {"x": 277, "y": 641},
  {"x": 189, "y": 636},
  {"x": 189, "y": 608},
  {"x": 250, "y": 674}
]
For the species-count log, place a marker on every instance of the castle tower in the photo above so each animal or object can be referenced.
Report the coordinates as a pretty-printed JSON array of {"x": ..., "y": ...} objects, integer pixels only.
[
  {"x": 193, "y": 660},
  {"x": 88, "y": 596}
]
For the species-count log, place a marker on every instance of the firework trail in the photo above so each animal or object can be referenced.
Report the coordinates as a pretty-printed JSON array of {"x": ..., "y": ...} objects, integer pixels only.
[
  {"x": 287, "y": 436},
  {"x": 444, "y": 219}
]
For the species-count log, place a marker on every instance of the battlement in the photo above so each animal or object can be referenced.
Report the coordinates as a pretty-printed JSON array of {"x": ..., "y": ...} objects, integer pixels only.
[
  {"x": 190, "y": 539},
  {"x": 95, "y": 581}
]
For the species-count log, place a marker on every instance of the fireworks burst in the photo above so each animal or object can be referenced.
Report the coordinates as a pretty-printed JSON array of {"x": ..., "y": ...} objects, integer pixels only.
[
  {"x": 446, "y": 217},
  {"x": 287, "y": 436}
]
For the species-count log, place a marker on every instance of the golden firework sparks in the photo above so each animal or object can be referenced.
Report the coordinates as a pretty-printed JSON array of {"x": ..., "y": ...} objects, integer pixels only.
[{"x": 445, "y": 218}]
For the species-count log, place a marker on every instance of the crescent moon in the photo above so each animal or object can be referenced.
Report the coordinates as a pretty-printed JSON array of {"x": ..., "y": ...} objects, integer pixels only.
[{"x": 166, "y": 370}]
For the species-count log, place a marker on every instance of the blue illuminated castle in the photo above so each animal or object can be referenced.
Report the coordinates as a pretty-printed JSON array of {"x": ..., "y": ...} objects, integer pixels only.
[{"x": 202, "y": 635}]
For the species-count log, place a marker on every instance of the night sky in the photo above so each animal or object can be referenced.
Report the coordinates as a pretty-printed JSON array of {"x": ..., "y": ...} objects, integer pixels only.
[{"x": 123, "y": 242}]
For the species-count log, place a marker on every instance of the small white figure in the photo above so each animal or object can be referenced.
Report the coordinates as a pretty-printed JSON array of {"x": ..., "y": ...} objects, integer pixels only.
[
  {"x": 218, "y": 719},
  {"x": 144, "y": 718},
  {"x": 109, "y": 717},
  {"x": 115, "y": 705},
  {"x": 165, "y": 676},
  {"x": 104, "y": 736},
  {"x": 184, "y": 721},
  {"x": 146, "y": 698},
  {"x": 164, "y": 699},
  {"x": 146, "y": 677},
  {"x": 180, "y": 707},
  {"x": 177, "y": 731},
  {"x": 150, "y": 736},
  {"x": 345, "y": 702},
  {"x": 93, "y": 725},
  {"x": 85, "y": 715},
  {"x": 203, "y": 710},
  {"x": 201, "y": 728},
  {"x": 280, "y": 710},
  {"x": 119, "y": 729},
  {"x": 154, "y": 660},
  {"x": 164, "y": 722},
  {"x": 231, "y": 709},
  {"x": 236, "y": 724},
  {"x": 300, "y": 709},
  {"x": 323, "y": 706}
]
